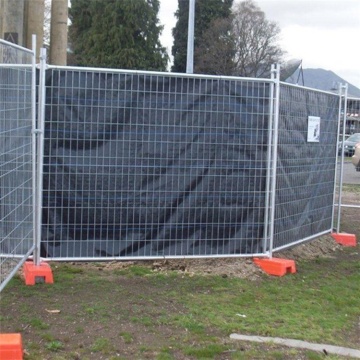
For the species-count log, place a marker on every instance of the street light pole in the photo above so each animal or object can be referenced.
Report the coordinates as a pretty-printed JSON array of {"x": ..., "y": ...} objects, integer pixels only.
[{"x": 190, "y": 43}]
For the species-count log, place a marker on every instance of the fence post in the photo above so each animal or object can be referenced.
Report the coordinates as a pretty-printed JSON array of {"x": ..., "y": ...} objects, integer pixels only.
[
  {"x": 343, "y": 96},
  {"x": 34, "y": 138},
  {"x": 275, "y": 74},
  {"x": 265, "y": 243},
  {"x": 344, "y": 239},
  {"x": 40, "y": 155},
  {"x": 38, "y": 269}
]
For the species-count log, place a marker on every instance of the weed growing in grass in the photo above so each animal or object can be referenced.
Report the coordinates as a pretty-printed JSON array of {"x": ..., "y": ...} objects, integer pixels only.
[
  {"x": 102, "y": 345},
  {"x": 37, "y": 324},
  {"x": 79, "y": 330},
  {"x": 127, "y": 337},
  {"x": 210, "y": 351},
  {"x": 54, "y": 346}
]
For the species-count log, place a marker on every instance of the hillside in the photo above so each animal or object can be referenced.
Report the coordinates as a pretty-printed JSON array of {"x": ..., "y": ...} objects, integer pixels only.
[{"x": 323, "y": 80}]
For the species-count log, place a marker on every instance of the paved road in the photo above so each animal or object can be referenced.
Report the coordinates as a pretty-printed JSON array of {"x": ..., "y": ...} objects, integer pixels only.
[{"x": 351, "y": 176}]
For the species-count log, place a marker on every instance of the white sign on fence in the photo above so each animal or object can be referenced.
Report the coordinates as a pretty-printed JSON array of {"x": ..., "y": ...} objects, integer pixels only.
[{"x": 313, "y": 134}]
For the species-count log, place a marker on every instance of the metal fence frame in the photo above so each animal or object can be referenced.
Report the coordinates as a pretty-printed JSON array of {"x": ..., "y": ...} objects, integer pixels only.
[
  {"x": 308, "y": 224},
  {"x": 18, "y": 238},
  {"x": 347, "y": 108},
  {"x": 273, "y": 83},
  {"x": 268, "y": 246},
  {"x": 268, "y": 240}
]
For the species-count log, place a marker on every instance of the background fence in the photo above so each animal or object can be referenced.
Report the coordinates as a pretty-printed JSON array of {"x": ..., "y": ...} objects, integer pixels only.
[
  {"x": 17, "y": 86},
  {"x": 306, "y": 164}
]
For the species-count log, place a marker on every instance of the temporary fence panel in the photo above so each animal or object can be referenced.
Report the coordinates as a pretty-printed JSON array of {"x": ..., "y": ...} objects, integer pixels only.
[
  {"x": 353, "y": 116},
  {"x": 306, "y": 165},
  {"x": 350, "y": 116},
  {"x": 146, "y": 165},
  {"x": 17, "y": 116}
]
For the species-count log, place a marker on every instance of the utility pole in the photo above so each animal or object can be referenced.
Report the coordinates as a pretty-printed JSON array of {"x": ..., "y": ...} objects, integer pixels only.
[
  {"x": 190, "y": 43},
  {"x": 58, "y": 32},
  {"x": 34, "y": 24},
  {"x": 1, "y": 18},
  {"x": 13, "y": 21}
]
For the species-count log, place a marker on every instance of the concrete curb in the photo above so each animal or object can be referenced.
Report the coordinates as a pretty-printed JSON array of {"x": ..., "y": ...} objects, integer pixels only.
[{"x": 337, "y": 350}]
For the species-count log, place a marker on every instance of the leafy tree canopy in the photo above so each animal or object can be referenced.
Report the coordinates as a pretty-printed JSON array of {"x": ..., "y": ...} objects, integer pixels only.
[
  {"x": 119, "y": 34},
  {"x": 205, "y": 12},
  {"x": 255, "y": 39},
  {"x": 239, "y": 42}
]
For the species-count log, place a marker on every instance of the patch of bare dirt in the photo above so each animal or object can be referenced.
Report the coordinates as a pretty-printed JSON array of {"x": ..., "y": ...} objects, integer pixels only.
[{"x": 325, "y": 246}]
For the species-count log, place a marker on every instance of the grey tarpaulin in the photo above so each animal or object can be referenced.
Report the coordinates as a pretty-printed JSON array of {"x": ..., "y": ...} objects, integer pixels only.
[
  {"x": 305, "y": 170},
  {"x": 153, "y": 165}
]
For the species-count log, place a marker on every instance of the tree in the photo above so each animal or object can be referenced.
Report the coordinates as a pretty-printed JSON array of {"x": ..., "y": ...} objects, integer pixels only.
[
  {"x": 47, "y": 21},
  {"x": 255, "y": 41},
  {"x": 59, "y": 32},
  {"x": 205, "y": 12},
  {"x": 34, "y": 23},
  {"x": 122, "y": 34},
  {"x": 216, "y": 52}
]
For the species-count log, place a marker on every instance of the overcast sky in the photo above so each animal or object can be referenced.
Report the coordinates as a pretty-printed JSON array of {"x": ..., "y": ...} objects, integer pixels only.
[{"x": 323, "y": 33}]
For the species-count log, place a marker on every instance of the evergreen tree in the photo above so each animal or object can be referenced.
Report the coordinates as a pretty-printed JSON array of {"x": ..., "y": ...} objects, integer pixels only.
[
  {"x": 117, "y": 33},
  {"x": 206, "y": 11}
]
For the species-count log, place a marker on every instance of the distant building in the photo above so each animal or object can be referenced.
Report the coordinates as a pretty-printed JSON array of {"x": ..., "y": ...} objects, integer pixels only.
[{"x": 353, "y": 116}]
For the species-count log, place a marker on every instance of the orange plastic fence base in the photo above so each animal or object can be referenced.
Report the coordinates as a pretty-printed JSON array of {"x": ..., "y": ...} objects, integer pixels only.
[
  {"x": 344, "y": 239},
  {"x": 32, "y": 271},
  {"x": 11, "y": 347},
  {"x": 276, "y": 266}
]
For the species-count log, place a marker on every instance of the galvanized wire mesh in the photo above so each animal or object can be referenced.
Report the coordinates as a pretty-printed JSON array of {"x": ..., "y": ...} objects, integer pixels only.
[
  {"x": 307, "y": 151},
  {"x": 16, "y": 158},
  {"x": 153, "y": 165},
  {"x": 352, "y": 116}
]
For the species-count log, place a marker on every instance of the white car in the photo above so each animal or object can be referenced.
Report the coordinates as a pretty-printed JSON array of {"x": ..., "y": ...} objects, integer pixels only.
[{"x": 356, "y": 157}]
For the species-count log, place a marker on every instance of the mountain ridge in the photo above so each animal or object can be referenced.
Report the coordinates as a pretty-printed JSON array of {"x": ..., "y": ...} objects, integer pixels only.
[{"x": 322, "y": 79}]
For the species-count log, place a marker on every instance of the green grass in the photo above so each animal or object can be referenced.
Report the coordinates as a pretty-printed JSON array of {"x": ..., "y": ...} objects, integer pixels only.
[
  {"x": 102, "y": 345},
  {"x": 54, "y": 346},
  {"x": 352, "y": 188},
  {"x": 320, "y": 303},
  {"x": 292, "y": 306},
  {"x": 127, "y": 337}
]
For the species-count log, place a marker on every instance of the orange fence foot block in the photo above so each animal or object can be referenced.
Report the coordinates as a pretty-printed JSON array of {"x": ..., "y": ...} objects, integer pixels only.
[
  {"x": 11, "y": 347},
  {"x": 344, "y": 239},
  {"x": 276, "y": 266},
  {"x": 32, "y": 271}
]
